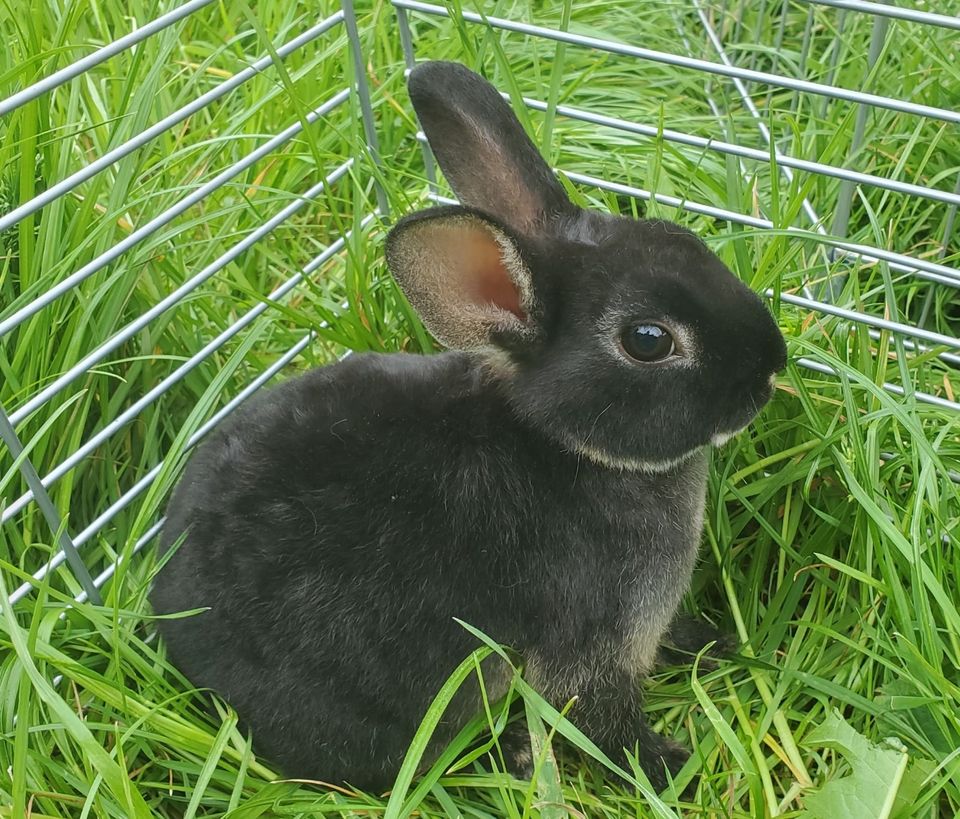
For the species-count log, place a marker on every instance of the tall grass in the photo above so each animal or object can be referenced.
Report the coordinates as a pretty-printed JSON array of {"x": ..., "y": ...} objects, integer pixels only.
[{"x": 830, "y": 547}]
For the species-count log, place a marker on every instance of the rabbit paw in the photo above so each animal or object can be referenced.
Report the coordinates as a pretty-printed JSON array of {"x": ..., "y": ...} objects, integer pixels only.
[
  {"x": 517, "y": 752},
  {"x": 687, "y": 637}
]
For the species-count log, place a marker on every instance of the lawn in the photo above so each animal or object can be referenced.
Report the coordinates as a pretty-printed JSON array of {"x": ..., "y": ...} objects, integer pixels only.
[{"x": 830, "y": 550}]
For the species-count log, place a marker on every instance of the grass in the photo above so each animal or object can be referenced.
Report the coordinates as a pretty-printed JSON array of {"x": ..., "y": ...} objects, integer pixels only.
[{"x": 830, "y": 546}]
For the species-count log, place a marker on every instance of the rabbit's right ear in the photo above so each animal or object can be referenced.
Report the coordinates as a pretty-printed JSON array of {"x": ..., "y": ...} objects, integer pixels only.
[
  {"x": 485, "y": 154},
  {"x": 464, "y": 276}
]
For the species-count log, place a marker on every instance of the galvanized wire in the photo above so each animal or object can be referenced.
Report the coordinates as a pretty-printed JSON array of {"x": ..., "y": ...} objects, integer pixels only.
[
  {"x": 942, "y": 274},
  {"x": 164, "y": 218},
  {"x": 118, "y": 46},
  {"x": 97, "y": 355},
  {"x": 113, "y": 156},
  {"x": 37, "y": 487},
  {"x": 141, "y": 486},
  {"x": 680, "y": 61},
  {"x": 896, "y": 12},
  {"x": 710, "y": 144},
  {"x": 181, "y": 372}
]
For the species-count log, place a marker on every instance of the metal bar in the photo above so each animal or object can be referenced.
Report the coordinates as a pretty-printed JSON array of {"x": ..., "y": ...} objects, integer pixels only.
[
  {"x": 689, "y": 62},
  {"x": 363, "y": 95},
  {"x": 167, "y": 216},
  {"x": 178, "y": 374},
  {"x": 406, "y": 42},
  {"x": 733, "y": 149},
  {"x": 749, "y": 105},
  {"x": 78, "y": 67},
  {"x": 895, "y": 389},
  {"x": 108, "y": 572},
  {"x": 947, "y": 358},
  {"x": 174, "y": 298},
  {"x": 154, "y": 530},
  {"x": 132, "y": 144},
  {"x": 949, "y": 222},
  {"x": 807, "y": 207},
  {"x": 143, "y": 484},
  {"x": 896, "y": 12},
  {"x": 922, "y": 268},
  {"x": 898, "y": 261},
  {"x": 871, "y": 321},
  {"x": 67, "y": 546},
  {"x": 406, "y": 39},
  {"x": 809, "y": 303},
  {"x": 844, "y": 201}
]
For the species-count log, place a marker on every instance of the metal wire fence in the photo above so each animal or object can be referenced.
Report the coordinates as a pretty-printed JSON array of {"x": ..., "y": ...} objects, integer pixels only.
[{"x": 738, "y": 83}]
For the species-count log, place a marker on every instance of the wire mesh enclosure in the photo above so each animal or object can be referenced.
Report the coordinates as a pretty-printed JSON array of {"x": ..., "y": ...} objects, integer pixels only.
[{"x": 278, "y": 209}]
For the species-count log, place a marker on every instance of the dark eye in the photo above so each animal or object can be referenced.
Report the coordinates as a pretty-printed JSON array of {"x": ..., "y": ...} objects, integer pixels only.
[{"x": 647, "y": 342}]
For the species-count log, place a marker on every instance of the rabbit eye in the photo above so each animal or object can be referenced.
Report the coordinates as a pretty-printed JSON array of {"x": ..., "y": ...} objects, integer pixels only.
[{"x": 647, "y": 343}]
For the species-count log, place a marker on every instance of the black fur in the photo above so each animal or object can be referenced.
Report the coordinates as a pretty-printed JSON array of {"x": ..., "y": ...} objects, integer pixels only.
[
  {"x": 687, "y": 636},
  {"x": 337, "y": 524}
]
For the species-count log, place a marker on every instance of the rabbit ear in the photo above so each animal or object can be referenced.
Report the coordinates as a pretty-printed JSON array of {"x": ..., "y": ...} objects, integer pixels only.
[
  {"x": 464, "y": 276},
  {"x": 483, "y": 150}
]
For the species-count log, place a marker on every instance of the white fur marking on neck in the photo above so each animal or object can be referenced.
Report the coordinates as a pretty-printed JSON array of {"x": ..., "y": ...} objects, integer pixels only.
[
  {"x": 722, "y": 437},
  {"x": 630, "y": 464}
]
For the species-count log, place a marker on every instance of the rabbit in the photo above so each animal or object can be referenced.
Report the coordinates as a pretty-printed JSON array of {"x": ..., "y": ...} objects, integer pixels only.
[{"x": 543, "y": 479}]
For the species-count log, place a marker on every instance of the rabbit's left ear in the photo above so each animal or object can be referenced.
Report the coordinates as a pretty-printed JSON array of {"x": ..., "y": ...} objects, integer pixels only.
[
  {"x": 464, "y": 276},
  {"x": 487, "y": 157}
]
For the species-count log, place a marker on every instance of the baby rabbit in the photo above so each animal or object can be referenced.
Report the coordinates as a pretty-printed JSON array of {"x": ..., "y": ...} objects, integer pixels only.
[{"x": 544, "y": 481}]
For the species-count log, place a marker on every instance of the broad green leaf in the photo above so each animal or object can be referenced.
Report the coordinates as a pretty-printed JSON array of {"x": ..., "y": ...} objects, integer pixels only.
[{"x": 879, "y": 785}]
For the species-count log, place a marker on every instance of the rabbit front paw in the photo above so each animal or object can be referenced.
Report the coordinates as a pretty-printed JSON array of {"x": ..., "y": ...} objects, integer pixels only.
[
  {"x": 516, "y": 750},
  {"x": 687, "y": 637}
]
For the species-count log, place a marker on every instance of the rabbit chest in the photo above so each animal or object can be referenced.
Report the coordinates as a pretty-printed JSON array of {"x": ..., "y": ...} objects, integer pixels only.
[{"x": 624, "y": 553}]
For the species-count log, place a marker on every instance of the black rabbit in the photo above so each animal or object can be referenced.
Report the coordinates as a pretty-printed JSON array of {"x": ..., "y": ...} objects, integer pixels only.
[{"x": 545, "y": 482}]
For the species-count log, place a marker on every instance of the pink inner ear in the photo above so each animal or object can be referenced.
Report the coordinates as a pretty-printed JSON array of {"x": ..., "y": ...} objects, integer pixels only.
[
  {"x": 490, "y": 283},
  {"x": 496, "y": 288}
]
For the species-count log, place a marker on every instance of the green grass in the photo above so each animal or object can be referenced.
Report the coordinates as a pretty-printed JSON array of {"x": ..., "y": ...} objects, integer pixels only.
[{"x": 830, "y": 545}]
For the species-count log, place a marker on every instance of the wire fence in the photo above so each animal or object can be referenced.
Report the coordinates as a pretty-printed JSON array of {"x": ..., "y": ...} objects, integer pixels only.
[
  {"x": 737, "y": 87},
  {"x": 37, "y": 486}
]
